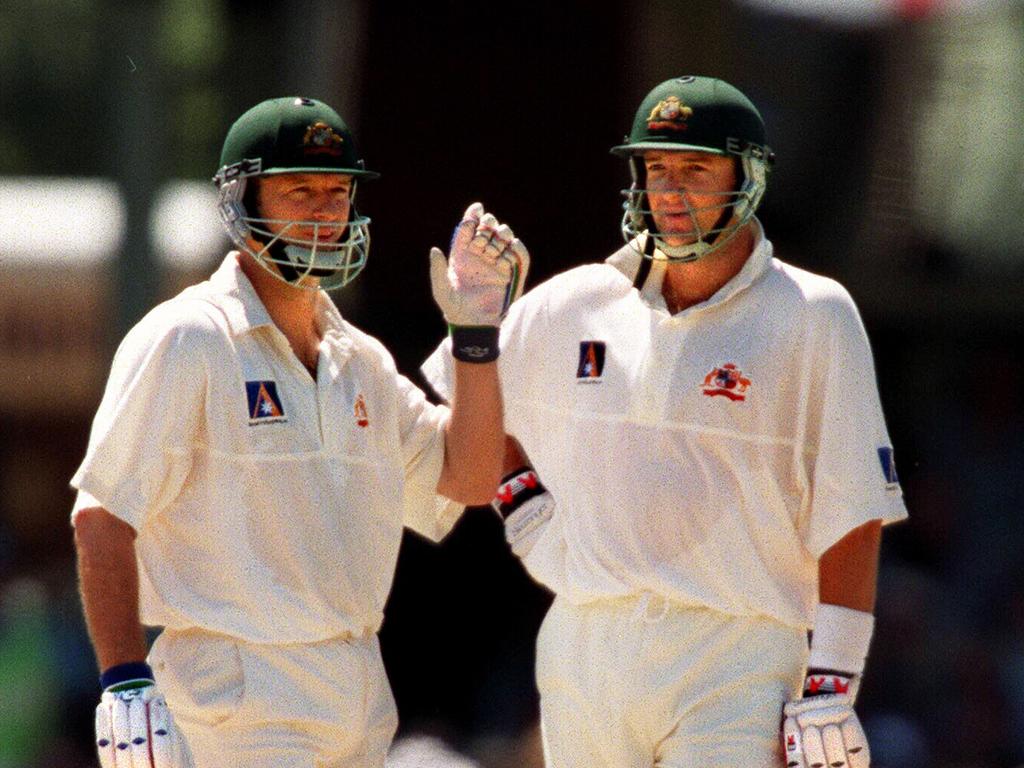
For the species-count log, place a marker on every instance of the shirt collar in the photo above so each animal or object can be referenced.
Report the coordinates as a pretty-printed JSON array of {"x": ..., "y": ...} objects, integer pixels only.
[
  {"x": 627, "y": 260},
  {"x": 245, "y": 310}
]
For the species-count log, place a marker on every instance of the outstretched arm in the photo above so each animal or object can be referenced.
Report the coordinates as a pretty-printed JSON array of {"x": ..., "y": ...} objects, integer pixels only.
[{"x": 474, "y": 286}]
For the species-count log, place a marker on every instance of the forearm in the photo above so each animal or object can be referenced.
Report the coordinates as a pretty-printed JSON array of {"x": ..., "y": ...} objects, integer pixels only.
[
  {"x": 820, "y": 727},
  {"x": 848, "y": 571},
  {"x": 109, "y": 586},
  {"x": 475, "y": 437},
  {"x": 844, "y": 623}
]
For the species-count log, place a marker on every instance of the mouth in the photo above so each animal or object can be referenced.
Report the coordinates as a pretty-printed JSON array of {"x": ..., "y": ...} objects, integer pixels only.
[
  {"x": 675, "y": 221},
  {"x": 320, "y": 235}
]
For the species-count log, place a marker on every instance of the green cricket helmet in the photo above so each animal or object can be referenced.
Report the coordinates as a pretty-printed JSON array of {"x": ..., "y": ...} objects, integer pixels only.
[
  {"x": 695, "y": 114},
  {"x": 291, "y": 135}
]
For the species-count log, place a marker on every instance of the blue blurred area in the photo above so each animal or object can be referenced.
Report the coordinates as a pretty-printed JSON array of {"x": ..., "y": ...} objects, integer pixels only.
[{"x": 896, "y": 174}]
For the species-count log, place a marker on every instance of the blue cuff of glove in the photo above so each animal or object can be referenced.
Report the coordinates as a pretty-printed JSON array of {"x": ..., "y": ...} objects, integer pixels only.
[
  {"x": 474, "y": 343},
  {"x": 133, "y": 671}
]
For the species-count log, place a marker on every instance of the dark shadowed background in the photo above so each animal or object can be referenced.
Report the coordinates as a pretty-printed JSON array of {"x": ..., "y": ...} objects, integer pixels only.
[{"x": 900, "y": 172}]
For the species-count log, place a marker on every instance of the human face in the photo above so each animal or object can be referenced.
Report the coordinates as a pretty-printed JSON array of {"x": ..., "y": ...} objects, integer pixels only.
[
  {"x": 323, "y": 198},
  {"x": 687, "y": 186}
]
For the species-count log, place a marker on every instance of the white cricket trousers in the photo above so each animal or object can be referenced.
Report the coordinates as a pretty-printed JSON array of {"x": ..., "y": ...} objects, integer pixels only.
[
  {"x": 317, "y": 705},
  {"x": 639, "y": 682}
]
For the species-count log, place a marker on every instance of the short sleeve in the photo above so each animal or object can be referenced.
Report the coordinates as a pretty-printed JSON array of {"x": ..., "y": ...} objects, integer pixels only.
[
  {"x": 140, "y": 445},
  {"x": 422, "y": 433},
  {"x": 850, "y": 461}
]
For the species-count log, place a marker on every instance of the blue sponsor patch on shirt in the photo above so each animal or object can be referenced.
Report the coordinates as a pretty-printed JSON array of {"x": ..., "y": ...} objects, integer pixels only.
[
  {"x": 264, "y": 402},
  {"x": 591, "y": 364},
  {"x": 888, "y": 464}
]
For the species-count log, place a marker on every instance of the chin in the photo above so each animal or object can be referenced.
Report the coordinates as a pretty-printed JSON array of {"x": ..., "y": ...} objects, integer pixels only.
[{"x": 679, "y": 240}]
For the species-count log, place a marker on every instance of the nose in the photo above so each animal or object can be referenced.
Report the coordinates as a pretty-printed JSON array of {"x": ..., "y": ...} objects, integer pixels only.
[{"x": 329, "y": 208}]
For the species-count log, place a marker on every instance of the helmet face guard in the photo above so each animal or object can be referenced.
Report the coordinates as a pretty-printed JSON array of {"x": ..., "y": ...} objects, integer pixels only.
[
  {"x": 695, "y": 114},
  {"x": 292, "y": 135},
  {"x": 288, "y": 256},
  {"x": 738, "y": 209}
]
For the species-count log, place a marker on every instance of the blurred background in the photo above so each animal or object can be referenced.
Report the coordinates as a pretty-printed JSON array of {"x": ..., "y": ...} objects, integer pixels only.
[{"x": 900, "y": 172}]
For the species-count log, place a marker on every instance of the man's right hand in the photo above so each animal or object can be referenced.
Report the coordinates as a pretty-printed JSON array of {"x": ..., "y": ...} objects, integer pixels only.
[
  {"x": 134, "y": 729},
  {"x": 483, "y": 274}
]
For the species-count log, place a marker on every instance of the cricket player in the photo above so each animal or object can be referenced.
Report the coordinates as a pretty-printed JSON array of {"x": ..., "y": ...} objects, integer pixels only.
[
  {"x": 709, "y": 470},
  {"x": 253, "y": 462}
]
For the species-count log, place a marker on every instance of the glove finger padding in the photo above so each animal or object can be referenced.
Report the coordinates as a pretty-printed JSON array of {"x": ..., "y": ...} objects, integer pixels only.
[
  {"x": 857, "y": 751},
  {"x": 814, "y": 748},
  {"x": 835, "y": 750},
  {"x": 105, "y": 736},
  {"x": 121, "y": 725},
  {"x": 519, "y": 258},
  {"x": 824, "y": 732},
  {"x": 466, "y": 229},
  {"x": 138, "y": 726},
  {"x": 134, "y": 729},
  {"x": 169, "y": 748}
]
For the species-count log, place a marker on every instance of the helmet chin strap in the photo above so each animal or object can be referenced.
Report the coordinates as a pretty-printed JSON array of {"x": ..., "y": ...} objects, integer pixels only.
[
  {"x": 644, "y": 269},
  {"x": 654, "y": 241}
]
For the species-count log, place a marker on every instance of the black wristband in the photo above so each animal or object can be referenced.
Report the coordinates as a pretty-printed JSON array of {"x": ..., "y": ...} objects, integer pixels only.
[
  {"x": 122, "y": 673},
  {"x": 516, "y": 489},
  {"x": 474, "y": 343}
]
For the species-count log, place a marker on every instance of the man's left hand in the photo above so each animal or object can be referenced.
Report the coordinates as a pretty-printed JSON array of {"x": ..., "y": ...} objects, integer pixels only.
[{"x": 824, "y": 732}]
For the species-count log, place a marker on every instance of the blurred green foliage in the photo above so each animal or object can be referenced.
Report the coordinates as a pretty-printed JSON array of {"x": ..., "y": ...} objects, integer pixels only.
[{"x": 64, "y": 64}]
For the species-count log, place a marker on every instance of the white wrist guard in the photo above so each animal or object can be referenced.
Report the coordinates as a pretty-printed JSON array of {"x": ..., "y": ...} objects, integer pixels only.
[
  {"x": 841, "y": 639},
  {"x": 839, "y": 648},
  {"x": 525, "y": 507}
]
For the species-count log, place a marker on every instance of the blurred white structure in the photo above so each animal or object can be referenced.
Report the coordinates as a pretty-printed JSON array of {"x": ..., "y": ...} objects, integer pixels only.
[
  {"x": 74, "y": 222},
  {"x": 59, "y": 243}
]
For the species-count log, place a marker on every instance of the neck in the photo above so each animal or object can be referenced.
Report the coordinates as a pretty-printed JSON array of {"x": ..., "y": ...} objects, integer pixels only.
[
  {"x": 690, "y": 283},
  {"x": 292, "y": 309}
]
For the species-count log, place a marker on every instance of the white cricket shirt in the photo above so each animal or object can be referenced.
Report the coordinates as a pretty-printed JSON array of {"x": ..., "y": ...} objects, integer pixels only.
[
  {"x": 268, "y": 506},
  {"x": 709, "y": 457}
]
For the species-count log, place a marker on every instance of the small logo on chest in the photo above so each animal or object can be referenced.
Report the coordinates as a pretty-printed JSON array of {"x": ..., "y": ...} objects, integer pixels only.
[
  {"x": 591, "y": 364},
  {"x": 359, "y": 411},
  {"x": 728, "y": 381},
  {"x": 264, "y": 402}
]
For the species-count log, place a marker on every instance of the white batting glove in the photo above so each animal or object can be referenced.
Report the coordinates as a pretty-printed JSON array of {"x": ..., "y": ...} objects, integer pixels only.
[
  {"x": 823, "y": 731},
  {"x": 525, "y": 507},
  {"x": 134, "y": 729},
  {"x": 484, "y": 272}
]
